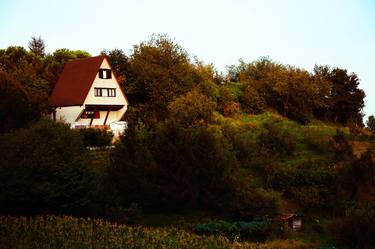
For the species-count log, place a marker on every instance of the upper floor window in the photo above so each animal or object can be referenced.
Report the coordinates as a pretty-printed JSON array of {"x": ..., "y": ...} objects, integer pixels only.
[
  {"x": 104, "y": 92},
  {"x": 105, "y": 74}
]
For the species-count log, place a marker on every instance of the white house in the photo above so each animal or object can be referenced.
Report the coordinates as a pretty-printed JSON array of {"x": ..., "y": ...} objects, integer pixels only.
[{"x": 87, "y": 94}]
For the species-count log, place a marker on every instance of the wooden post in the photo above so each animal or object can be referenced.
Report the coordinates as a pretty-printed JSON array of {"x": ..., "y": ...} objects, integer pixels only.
[{"x": 106, "y": 117}]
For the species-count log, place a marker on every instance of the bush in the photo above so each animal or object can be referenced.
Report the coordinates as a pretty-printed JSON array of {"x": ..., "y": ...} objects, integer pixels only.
[
  {"x": 276, "y": 140},
  {"x": 316, "y": 142},
  {"x": 231, "y": 109},
  {"x": 44, "y": 169},
  {"x": 253, "y": 230},
  {"x": 241, "y": 139},
  {"x": 173, "y": 168},
  {"x": 191, "y": 108},
  {"x": 310, "y": 196},
  {"x": 309, "y": 183},
  {"x": 15, "y": 106},
  {"x": 93, "y": 137},
  {"x": 251, "y": 101},
  {"x": 357, "y": 229},
  {"x": 251, "y": 203}
]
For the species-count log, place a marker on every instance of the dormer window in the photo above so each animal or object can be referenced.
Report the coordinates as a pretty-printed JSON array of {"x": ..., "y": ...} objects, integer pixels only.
[{"x": 105, "y": 74}]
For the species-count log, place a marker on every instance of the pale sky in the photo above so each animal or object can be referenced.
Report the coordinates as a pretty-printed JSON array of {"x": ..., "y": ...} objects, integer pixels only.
[{"x": 297, "y": 32}]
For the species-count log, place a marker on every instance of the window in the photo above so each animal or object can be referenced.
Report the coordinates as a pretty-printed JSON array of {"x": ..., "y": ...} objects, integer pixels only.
[
  {"x": 105, "y": 74},
  {"x": 90, "y": 114},
  {"x": 104, "y": 92},
  {"x": 98, "y": 92},
  {"x": 111, "y": 92}
]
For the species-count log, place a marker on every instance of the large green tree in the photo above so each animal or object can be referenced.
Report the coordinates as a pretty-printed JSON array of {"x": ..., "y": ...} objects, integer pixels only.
[
  {"x": 28, "y": 69},
  {"x": 15, "y": 108},
  {"x": 55, "y": 62},
  {"x": 161, "y": 70},
  {"x": 120, "y": 64},
  {"x": 346, "y": 99},
  {"x": 44, "y": 169}
]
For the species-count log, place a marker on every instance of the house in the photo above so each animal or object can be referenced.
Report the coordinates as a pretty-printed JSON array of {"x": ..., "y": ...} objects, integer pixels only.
[{"x": 87, "y": 94}]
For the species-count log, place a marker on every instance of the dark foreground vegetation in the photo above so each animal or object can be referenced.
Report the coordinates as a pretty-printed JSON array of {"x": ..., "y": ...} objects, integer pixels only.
[
  {"x": 215, "y": 155},
  {"x": 51, "y": 232}
]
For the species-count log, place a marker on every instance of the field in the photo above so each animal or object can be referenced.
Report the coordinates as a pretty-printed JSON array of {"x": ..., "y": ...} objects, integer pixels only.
[{"x": 68, "y": 232}]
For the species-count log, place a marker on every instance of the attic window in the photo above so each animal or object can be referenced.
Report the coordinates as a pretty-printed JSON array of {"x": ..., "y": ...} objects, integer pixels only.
[{"x": 105, "y": 74}]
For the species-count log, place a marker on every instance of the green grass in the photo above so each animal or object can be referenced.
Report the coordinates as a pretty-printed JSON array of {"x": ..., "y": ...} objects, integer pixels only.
[{"x": 68, "y": 232}]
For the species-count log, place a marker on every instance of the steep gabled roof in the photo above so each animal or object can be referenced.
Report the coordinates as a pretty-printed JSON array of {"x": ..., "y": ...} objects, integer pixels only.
[{"x": 75, "y": 81}]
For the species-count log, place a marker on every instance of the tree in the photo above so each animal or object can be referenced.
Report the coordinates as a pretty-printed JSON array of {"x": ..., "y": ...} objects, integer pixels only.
[
  {"x": 54, "y": 63},
  {"x": 251, "y": 100},
  {"x": 191, "y": 108},
  {"x": 288, "y": 89},
  {"x": 320, "y": 78},
  {"x": 171, "y": 167},
  {"x": 161, "y": 70},
  {"x": 371, "y": 123},
  {"x": 28, "y": 69},
  {"x": 36, "y": 46},
  {"x": 346, "y": 99},
  {"x": 44, "y": 169},
  {"x": 120, "y": 64},
  {"x": 356, "y": 173},
  {"x": 15, "y": 109}
]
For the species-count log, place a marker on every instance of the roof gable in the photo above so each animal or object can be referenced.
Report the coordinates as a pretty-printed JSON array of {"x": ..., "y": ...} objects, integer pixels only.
[{"x": 75, "y": 81}]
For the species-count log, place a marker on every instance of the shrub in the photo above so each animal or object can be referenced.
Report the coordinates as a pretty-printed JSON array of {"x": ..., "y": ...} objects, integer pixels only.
[
  {"x": 317, "y": 142},
  {"x": 231, "y": 109},
  {"x": 173, "y": 167},
  {"x": 309, "y": 183},
  {"x": 276, "y": 140},
  {"x": 253, "y": 230},
  {"x": 15, "y": 106},
  {"x": 44, "y": 169},
  {"x": 226, "y": 97},
  {"x": 241, "y": 139},
  {"x": 251, "y": 203},
  {"x": 370, "y": 123},
  {"x": 251, "y": 101},
  {"x": 93, "y": 137},
  {"x": 299, "y": 115},
  {"x": 357, "y": 229},
  {"x": 309, "y": 196},
  {"x": 191, "y": 108}
]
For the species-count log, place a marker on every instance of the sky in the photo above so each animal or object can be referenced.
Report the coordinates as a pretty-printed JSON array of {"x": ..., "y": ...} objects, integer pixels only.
[{"x": 302, "y": 33}]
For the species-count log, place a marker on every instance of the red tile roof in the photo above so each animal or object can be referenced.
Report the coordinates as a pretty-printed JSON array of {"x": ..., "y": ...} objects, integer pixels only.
[{"x": 75, "y": 81}]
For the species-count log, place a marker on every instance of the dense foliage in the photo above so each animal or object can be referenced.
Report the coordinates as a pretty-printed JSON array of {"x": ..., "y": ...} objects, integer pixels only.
[
  {"x": 357, "y": 228},
  {"x": 173, "y": 168},
  {"x": 93, "y": 137},
  {"x": 44, "y": 169}
]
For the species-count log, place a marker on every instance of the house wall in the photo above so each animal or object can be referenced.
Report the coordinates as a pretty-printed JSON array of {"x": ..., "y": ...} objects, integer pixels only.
[
  {"x": 91, "y": 99},
  {"x": 71, "y": 113},
  {"x": 112, "y": 117},
  {"x": 68, "y": 114}
]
